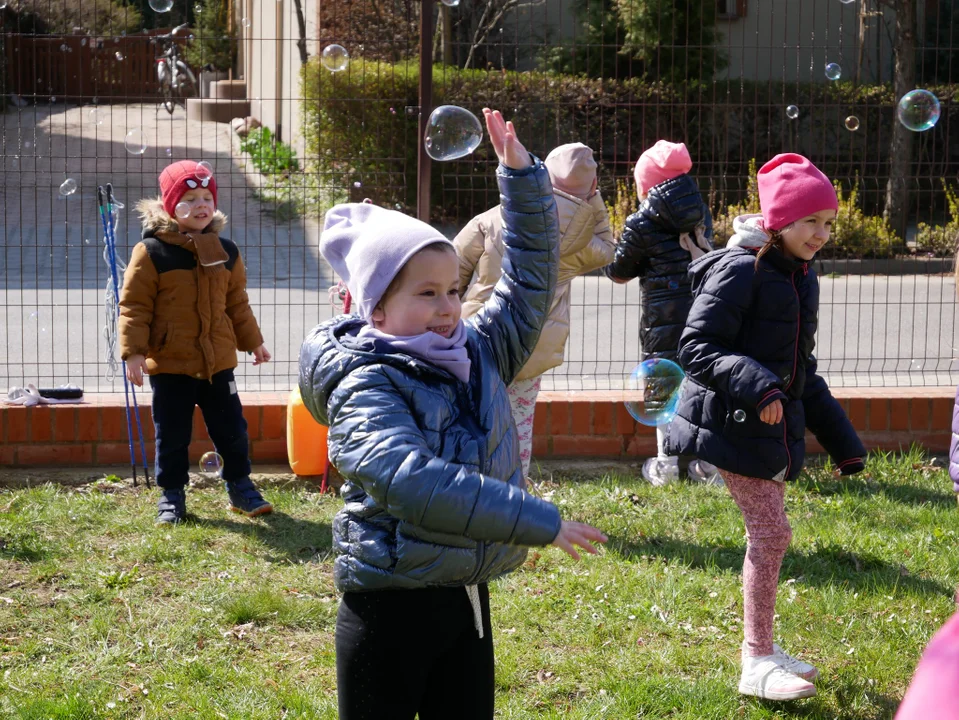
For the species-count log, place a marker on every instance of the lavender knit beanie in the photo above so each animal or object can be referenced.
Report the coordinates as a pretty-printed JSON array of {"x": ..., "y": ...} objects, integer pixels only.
[{"x": 367, "y": 246}]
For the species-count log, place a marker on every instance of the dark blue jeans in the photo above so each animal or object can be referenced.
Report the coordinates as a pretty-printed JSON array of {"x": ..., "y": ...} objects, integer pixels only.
[{"x": 174, "y": 397}]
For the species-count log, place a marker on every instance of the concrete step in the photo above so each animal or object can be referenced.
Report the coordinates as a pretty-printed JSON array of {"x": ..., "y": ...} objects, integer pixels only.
[
  {"x": 215, "y": 109},
  {"x": 228, "y": 89}
]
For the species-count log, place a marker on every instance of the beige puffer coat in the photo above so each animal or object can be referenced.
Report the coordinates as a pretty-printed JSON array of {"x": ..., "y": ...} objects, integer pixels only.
[{"x": 586, "y": 244}]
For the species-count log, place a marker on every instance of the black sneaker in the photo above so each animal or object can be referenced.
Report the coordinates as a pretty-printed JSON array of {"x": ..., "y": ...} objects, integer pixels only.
[
  {"x": 246, "y": 499},
  {"x": 171, "y": 509}
]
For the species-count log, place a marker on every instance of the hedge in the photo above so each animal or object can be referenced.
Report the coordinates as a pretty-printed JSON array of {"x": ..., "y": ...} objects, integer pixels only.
[{"x": 360, "y": 130}]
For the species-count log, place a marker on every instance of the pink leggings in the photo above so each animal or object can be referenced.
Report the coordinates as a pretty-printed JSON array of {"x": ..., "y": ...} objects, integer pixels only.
[{"x": 767, "y": 536}]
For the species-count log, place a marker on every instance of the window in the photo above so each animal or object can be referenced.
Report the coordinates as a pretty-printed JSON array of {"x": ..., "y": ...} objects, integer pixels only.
[{"x": 731, "y": 9}]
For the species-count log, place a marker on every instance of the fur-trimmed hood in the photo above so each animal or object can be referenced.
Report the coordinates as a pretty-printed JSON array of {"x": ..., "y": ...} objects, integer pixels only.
[{"x": 155, "y": 219}]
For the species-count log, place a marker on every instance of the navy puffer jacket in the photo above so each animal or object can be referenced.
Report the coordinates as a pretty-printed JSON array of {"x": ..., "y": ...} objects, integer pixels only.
[
  {"x": 649, "y": 249},
  {"x": 434, "y": 492},
  {"x": 748, "y": 342}
]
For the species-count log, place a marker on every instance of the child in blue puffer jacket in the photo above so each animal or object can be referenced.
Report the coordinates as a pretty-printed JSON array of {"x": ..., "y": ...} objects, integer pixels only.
[
  {"x": 421, "y": 430},
  {"x": 753, "y": 390}
]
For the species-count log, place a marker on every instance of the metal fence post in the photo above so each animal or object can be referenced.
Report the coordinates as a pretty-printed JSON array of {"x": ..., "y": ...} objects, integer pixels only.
[{"x": 423, "y": 162}]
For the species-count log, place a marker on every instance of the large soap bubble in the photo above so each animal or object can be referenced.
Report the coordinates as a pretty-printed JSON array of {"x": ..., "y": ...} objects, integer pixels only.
[
  {"x": 211, "y": 465},
  {"x": 335, "y": 58},
  {"x": 659, "y": 382},
  {"x": 452, "y": 132},
  {"x": 918, "y": 110},
  {"x": 833, "y": 71}
]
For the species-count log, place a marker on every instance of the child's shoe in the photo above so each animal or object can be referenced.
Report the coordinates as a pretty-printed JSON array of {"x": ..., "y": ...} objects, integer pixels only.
[
  {"x": 703, "y": 472},
  {"x": 764, "y": 677},
  {"x": 791, "y": 664},
  {"x": 246, "y": 499},
  {"x": 171, "y": 508},
  {"x": 660, "y": 472}
]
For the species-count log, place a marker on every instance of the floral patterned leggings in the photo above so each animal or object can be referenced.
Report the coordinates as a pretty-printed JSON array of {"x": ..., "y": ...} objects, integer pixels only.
[
  {"x": 522, "y": 399},
  {"x": 767, "y": 536}
]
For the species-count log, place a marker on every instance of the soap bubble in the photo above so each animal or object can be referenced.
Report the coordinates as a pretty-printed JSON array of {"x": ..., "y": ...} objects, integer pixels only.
[
  {"x": 852, "y": 123},
  {"x": 918, "y": 110},
  {"x": 367, "y": 201},
  {"x": 83, "y": 42},
  {"x": 161, "y": 6},
  {"x": 68, "y": 187},
  {"x": 357, "y": 184},
  {"x": 64, "y": 48},
  {"x": 119, "y": 55},
  {"x": 134, "y": 142},
  {"x": 450, "y": 3},
  {"x": 660, "y": 383},
  {"x": 833, "y": 71},
  {"x": 34, "y": 315},
  {"x": 203, "y": 170},
  {"x": 739, "y": 416},
  {"x": 452, "y": 132},
  {"x": 246, "y": 22},
  {"x": 335, "y": 58},
  {"x": 198, "y": 8},
  {"x": 97, "y": 116},
  {"x": 169, "y": 152},
  {"x": 792, "y": 112},
  {"x": 847, "y": 2},
  {"x": 211, "y": 464},
  {"x": 182, "y": 210}
]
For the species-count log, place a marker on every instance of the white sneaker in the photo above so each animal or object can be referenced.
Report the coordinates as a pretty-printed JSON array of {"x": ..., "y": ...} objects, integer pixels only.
[
  {"x": 790, "y": 664},
  {"x": 661, "y": 472},
  {"x": 703, "y": 472},
  {"x": 764, "y": 677}
]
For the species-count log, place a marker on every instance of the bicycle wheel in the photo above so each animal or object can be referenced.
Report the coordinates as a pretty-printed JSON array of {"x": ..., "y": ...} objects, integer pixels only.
[{"x": 168, "y": 102}]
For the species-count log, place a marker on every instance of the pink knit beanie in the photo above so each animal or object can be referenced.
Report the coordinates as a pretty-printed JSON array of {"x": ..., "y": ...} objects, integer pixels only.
[
  {"x": 663, "y": 161},
  {"x": 790, "y": 188}
]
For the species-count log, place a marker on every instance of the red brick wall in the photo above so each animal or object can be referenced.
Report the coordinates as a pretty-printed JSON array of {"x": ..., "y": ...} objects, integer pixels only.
[{"x": 568, "y": 424}]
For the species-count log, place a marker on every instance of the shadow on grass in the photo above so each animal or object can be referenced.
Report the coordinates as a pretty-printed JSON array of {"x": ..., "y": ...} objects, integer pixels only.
[
  {"x": 824, "y": 566},
  {"x": 294, "y": 539},
  {"x": 867, "y": 487}
]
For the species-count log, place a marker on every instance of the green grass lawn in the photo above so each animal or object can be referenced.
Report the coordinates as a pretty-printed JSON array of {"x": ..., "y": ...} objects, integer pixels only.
[{"x": 103, "y": 615}]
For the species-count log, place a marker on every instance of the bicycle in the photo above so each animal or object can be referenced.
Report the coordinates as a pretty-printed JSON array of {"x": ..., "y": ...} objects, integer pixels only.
[{"x": 177, "y": 81}]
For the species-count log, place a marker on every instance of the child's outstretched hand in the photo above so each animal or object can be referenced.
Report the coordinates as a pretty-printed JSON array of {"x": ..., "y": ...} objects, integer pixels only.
[
  {"x": 502, "y": 134},
  {"x": 574, "y": 533}
]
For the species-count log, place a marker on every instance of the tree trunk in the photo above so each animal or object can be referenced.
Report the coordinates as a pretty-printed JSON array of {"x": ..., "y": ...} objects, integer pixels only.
[{"x": 901, "y": 147}]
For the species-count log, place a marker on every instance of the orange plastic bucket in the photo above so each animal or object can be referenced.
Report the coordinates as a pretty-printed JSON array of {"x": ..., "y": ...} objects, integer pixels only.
[{"x": 305, "y": 439}]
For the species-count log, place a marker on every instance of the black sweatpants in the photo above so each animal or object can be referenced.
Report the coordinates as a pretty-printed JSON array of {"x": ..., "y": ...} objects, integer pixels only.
[
  {"x": 403, "y": 652},
  {"x": 174, "y": 397}
]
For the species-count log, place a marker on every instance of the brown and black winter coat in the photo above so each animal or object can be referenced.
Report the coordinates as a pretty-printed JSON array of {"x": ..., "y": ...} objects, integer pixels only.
[{"x": 184, "y": 304}]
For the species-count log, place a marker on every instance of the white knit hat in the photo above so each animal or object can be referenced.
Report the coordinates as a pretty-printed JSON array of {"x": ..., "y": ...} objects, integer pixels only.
[{"x": 367, "y": 246}]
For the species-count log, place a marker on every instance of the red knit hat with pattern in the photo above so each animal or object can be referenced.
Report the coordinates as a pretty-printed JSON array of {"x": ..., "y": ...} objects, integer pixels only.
[{"x": 179, "y": 178}]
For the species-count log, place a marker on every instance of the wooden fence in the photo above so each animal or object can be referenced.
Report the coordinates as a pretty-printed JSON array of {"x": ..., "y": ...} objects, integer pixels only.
[{"x": 75, "y": 68}]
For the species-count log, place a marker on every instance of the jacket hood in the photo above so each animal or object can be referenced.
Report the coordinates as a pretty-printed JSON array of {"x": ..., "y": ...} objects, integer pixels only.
[
  {"x": 155, "y": 219},
  {"x": 332, "y": 351},
  {"x": 748, "y": 232}
]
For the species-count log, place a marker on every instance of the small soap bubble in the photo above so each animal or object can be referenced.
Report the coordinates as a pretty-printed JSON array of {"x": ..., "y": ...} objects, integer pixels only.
[
  {"x": 161, "y": 6},
  {"x": 659, "y": 382},
  {"x": 918, "y": 110},
  {"x": 211, "y": 465},
  {"x": 393, "y": 111},
  {"x": 739, "y": 416},
  {"x": 182, "y": 210},
  {"x": 335, "y": 58},
  {"x": 134, "y": 142},
  {"x": 204, "y": 170},
  {"x": 53, "y": 99},
  {"x": 198, "y": 8},
  {"x": 27, "y": 144},
  {"x": 792, "y": 112},
  {"x": 367, "y": 201},
  {"x": 68, "y": 187},
  {"x": 83, "y": 42},
  {"x": 169, "y": 152},
  {"x": 64, "y": 48},
  {"x": 452, "y": 132},
  {"x": 357, "y": 184},
  {"x": 833, "y": 71},
  {"x": 97, "y": 116},
  {"x": 852, "y": 123},
  {"x": 246, "y": 22},
  {"x": 451, "y": 3},
  {"x": 87, "y": 241},
  {"x": 119, "y": 55},
  {"x": 398, "y": 207},
  {"x": 34, "y": 315}
]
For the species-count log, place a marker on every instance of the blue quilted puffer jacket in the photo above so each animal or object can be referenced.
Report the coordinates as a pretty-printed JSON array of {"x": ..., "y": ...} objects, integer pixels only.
[
  {"x": 649, "y": 249},
  {"x": 434, "y": 492},
  {"x": 748, "y": 342}
]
